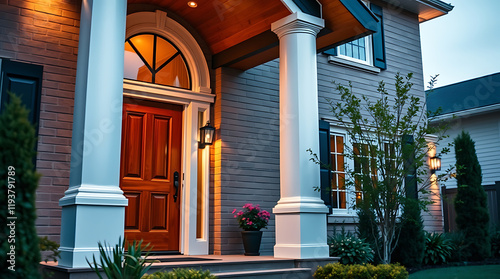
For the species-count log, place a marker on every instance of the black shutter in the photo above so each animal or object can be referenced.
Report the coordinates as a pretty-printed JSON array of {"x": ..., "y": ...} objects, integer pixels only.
[
  {"x": 409, "y": 166},
  {"x": 324, "y": 157},
  {"x": 378, "y": 39},
  {"x": 24, "y": 80}
]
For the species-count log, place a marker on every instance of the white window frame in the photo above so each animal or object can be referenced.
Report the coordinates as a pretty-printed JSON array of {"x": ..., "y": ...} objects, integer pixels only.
[
  {"x": 368, "y": 48},
  {"x": 348, "y": 163},
  {"x": 368, "y": 52},
  {"x": 349, "y": 211}
]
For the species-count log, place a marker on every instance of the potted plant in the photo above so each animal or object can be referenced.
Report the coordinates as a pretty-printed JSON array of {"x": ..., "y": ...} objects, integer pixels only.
[{"x": 251, "y": 219}]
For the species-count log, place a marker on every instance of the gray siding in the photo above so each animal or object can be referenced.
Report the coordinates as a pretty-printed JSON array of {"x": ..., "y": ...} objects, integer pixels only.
[
  {"x": 485, "y": 131},
  {"x": 403, "y": 55},
  {"x": 247, "y": 114}
]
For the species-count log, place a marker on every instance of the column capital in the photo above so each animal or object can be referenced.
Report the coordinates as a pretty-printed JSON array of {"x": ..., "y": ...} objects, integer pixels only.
[{"x": 298, "y": 22}]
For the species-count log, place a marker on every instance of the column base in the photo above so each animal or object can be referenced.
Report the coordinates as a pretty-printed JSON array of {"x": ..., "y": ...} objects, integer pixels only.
[
  {"x": 301, "y": 230},
  {"x": 83, "y": 226}
]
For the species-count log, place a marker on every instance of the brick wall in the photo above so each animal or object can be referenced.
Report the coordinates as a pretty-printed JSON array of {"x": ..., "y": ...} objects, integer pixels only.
[{"x": 45, "y": 32}]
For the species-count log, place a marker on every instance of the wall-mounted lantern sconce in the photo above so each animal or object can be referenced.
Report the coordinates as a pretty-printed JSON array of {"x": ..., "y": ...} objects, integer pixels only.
[
  {"x": 206, "y": 135},
  {"x": 434, "y": 164}
]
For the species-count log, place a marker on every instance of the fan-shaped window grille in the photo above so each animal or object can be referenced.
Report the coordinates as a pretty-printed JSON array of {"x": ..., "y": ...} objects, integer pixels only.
[{"x": 152, "y": 58}]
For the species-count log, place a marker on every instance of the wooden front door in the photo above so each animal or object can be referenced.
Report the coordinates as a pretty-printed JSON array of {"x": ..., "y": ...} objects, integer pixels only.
[{"x": 151, "y": 172}]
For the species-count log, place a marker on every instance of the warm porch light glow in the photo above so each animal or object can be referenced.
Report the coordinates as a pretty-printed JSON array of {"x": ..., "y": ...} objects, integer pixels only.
[
  {"x": 206, "y": 135},
  {"x": 434, "y": 164},
  {"x": 192, "y": 4}
]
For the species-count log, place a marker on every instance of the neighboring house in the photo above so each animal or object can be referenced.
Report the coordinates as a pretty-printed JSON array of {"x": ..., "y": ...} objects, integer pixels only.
[
  {"x": 472, "y": 106},
  {"x": 123, "y": 133}
]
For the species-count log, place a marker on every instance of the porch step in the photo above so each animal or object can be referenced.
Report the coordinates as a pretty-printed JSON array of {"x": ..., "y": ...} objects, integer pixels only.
[
  {"x": 231, "y": 265},
  {"x": 227, "y": 266},
  {"x": 296, "y": 273}
]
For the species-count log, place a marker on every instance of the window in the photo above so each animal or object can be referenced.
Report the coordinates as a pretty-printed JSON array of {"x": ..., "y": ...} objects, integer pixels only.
[
  {"x": 339, "y": 192},
  {"x": 369, "y": 50},
  {"x": 358, "y": 50},
  {"x": 365, "y": 162},
  {"x": 152, "y": 58}
]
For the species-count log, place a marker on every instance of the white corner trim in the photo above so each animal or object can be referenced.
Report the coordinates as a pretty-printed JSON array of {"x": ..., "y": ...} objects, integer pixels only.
[
  {"x": 291, "y": 6},
  {"x": 352, "y": 64}
]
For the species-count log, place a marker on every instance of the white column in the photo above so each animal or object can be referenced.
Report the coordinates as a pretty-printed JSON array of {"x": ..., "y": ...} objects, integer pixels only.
[
  {"x": 300, "y": 213},
  {"x": 93, "y": 208}
]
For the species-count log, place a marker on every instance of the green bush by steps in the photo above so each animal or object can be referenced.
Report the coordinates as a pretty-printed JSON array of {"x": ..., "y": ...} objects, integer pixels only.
[
  {"x": 368, "y": 271},
  {"x": 349, "y": 248},
  {"x": 183, "y": 273}
]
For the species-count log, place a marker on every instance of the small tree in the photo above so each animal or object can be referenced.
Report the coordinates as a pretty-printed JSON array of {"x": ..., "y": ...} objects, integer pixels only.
[
  {"x": 19, "y": 183},
  {"x": 470, "y": 203},
  {"x": 376, "y": 130}
]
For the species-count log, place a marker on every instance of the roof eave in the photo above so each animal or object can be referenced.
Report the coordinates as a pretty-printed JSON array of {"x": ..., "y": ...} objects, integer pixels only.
[{"x": 465, "y": 113}]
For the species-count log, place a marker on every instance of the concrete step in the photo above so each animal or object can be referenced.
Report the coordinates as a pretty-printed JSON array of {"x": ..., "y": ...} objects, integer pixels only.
[
  {"x": 222, "y": 266},
  {"x": 231, "y": 266},
  {"x": 285, "y": 273}
]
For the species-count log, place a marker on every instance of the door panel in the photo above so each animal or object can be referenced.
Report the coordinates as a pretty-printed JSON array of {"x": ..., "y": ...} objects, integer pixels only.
[
  {"x": 151, "y": 154},
  {"x": 134, "y": 144},
  {"x": 160, "y": 147},
  {"x": 159, "y": 207},
  {"x": 132, "y": 211}
]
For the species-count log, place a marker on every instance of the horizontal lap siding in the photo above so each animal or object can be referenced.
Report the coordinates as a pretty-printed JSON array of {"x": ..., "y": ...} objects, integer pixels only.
[
  {"x": 246, "y": 159},
  {"x": 485, "y": 132},
  {"x": 403, "y": 55},
  {"x": 45, "y": 32}
]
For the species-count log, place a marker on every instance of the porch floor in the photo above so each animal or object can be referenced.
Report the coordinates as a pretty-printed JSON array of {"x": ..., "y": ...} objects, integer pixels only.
[{"x": 223, "y": 266}]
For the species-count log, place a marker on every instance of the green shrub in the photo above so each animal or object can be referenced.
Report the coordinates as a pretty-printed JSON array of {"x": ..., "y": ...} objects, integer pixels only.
[
  {"x": 349, "y": 248},
  {"x": 46, "y": 244},
  {"x": 470, "y": 202},
  {"x": 437, "y": 249},
  {"x": 458, "y": 243},
  {"x": 367, "y": 229},
  {"x": 183, "y": 273},
  {"x": 411, "y": 245},
  {"x": 19, "y": 183},
  {"x": 118, "y": 264},
  {"x": 495, "y": 244},
  {"x": 357, "y": 271}
]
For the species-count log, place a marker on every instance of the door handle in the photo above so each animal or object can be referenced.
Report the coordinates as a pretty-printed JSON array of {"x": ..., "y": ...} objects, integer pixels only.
[{"x": 176, "y": 185}]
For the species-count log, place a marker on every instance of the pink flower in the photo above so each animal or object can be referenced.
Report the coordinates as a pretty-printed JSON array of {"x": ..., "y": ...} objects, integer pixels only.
[
  {"x": 234, "y": 210},
  {"x": 235, "y": 216},
  {"x": 249, "y": 223},
  {"x": 240, "y": 213}
]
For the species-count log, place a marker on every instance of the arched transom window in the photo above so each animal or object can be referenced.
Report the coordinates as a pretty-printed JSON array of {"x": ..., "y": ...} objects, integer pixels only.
[{"x": 152, "y": 58}]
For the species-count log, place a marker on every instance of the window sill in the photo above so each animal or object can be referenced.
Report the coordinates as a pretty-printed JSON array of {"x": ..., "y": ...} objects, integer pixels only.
[
  {"x": 342, "y": 219},
  {"x": 352, "y": 64}
]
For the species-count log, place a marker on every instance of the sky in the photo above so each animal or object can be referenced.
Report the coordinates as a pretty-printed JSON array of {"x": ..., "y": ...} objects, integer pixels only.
[{"x": 463, "y": 44}]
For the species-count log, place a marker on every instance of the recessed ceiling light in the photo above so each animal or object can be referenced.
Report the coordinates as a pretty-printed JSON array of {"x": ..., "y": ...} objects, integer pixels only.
[{"x": 192, "y": 4}]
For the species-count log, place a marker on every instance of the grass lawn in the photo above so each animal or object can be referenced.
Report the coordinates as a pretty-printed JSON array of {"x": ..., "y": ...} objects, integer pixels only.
[{"x": 459, "y": 272}]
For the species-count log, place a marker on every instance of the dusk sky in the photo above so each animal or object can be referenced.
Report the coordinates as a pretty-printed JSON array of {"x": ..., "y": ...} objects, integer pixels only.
[{"x": 463, "y": 44}]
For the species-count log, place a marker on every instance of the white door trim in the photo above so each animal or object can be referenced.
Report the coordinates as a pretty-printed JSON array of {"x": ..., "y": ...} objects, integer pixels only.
[{"x": 194, "y": 101}]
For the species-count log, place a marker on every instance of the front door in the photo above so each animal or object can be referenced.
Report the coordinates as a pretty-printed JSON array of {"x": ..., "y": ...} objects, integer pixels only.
[{"x": 151, "y": 172}]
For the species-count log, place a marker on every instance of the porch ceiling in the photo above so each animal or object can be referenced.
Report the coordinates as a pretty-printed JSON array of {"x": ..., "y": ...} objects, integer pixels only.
[{"x": 238, "y": 31}]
